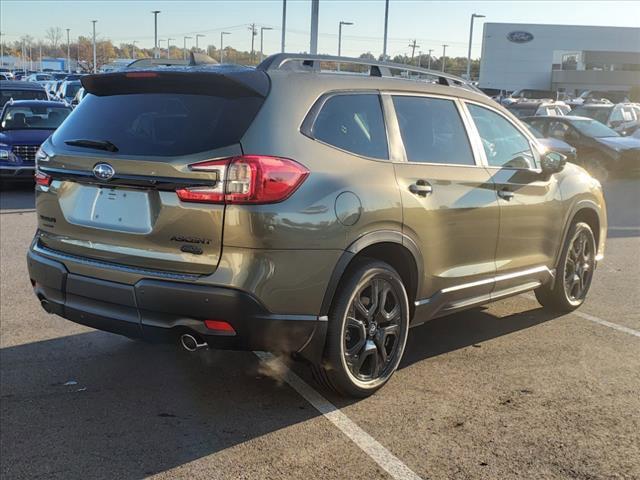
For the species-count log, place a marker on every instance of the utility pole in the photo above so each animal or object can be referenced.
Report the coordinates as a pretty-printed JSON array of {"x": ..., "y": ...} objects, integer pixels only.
[
  {"x": 284, "y": 24},
  {"x": 222, "y": 34},
  {"x": 473, "y": 16},
  {"x": 419, "y": 58},
  {"x": 40, "y": 56},
  {"x": 315, "y": 14},
  {"x": 444, "y": 57},
  {"x": 160, "y": 40},
  {"x": 340, "y": 35},
  {"x": 262, "y": 29},
  {"x": 155, "y": 33},
  {"x": 68, "y": 52},
  {"x": 386, "y": 29},
  {"x": 198, "y": 35},
  {"x": 429, "y": 60},
  {"x": 413, "y": 45},
  {"x": 184, "y": 48},
  {"x": 95, "y": 65},
  {"x": 252, "y": 27},
  {"x": 169, "y": 47}
]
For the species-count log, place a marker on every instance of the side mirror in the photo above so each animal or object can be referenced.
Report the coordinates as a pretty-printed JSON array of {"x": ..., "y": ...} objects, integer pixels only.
[{"x": 552, "y": 162}]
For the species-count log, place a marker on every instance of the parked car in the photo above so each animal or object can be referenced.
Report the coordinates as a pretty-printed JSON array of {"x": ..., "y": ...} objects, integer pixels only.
[
  {"x": 528, "y": 108},
  {"x": 321, "y": 214},
  {"x": 20, "y": 91},
  {"x": 41, "y": 78},
  {"x": 624, "y": 118},
  {"x": 68, "y": 89},
  {"x": 24, "y": 125},
  {"x": 601, "y": 150},
  {"x": 79, "y": 96},
  {"x": 528, "y": 94},
  {"x": 554, "y": 144},
  {"x": 597, "y": 95},
  {"x": 6, "y": 73},
  {"x": 4, "y": 76}
]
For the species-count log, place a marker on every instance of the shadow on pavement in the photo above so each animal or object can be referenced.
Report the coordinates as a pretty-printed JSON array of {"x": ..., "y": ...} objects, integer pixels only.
[{"x": 17, "y": 196}]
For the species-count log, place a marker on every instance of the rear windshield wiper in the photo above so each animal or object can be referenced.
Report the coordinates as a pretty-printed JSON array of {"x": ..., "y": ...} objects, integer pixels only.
[{"x": 96, "y": 144}]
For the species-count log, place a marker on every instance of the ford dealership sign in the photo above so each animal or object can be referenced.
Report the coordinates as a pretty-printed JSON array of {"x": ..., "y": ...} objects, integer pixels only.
[{"x": 520, "y": 37}]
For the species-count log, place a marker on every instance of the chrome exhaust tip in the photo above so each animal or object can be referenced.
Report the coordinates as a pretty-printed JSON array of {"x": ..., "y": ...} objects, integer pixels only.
[{"x": 190, "y": 343}]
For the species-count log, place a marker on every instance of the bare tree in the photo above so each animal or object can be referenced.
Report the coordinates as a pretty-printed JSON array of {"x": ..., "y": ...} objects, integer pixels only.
[{"x": 54, "y": 35}]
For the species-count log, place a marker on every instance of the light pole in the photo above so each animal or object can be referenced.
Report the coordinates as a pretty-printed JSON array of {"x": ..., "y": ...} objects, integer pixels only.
[
  {"x": 340, "y": 34},
  {"x": 473, "y": 17},
  {"x": 95, "y": 65},
  {"x": 68, "y": 52},
  {"x": 284, "y": 24},
  {"x": 252, "y": 27},
  {"x": 262, "y": 29},
  {"x": 169, "y": 47},
  {"x": 444, "y": 58},
  {"x": 386, "y": 25},
  {"x": 40, "y": 56},
  {"x": 155, "y": 33},
  {"x": 222, "y": 34},
  {"x": 160, "y": 47},
  {"x": 30, "y": 57},
  {"x": 133, "y": 49},
  {"x": 1, "y": 49},
  {"x": 198, "y": 35},
  {"x": 184, "y": 48},
  {"x": 315, "y": 14},
  {"x": 429, "y": 59}
]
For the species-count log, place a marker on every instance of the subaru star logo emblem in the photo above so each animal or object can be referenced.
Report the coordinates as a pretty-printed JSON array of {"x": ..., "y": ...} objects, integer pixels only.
[
  {"x": 103, "y": 171},
  {"x": 520, "y": 37}
]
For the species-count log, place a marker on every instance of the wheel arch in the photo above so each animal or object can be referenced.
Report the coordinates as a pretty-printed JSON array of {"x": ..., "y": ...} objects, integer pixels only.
[
  {"x": 586, "y": 211},
  {"x": 392, "y": 247}
]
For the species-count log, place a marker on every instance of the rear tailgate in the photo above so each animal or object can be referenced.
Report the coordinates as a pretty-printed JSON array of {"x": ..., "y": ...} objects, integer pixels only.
[{"x": 118, "y": 160}]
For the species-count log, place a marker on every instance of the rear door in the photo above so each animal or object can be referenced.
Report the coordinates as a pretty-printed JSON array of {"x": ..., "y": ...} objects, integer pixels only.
[
  {"x": 119, "y": 160},
  {"x": 449, "y": 203}
]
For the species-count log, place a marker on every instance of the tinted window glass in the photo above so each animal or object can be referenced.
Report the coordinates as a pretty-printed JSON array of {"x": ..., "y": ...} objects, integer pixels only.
[
  {"x": 164, "y": 124},
  {"x": 432, "y": 131},
  {"x": 20, "y": 117},
  {"x": 353, "y": 123},
  {"x": 503, "y": 143},
  {"x": 7, "y": 94}
]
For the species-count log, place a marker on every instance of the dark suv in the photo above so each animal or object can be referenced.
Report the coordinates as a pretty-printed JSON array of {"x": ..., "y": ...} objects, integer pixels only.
[{"x": 291, "y": 209}]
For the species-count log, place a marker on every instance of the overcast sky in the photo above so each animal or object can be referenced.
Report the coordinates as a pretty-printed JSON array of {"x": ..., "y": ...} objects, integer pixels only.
[{"x": 431, "y": 23}]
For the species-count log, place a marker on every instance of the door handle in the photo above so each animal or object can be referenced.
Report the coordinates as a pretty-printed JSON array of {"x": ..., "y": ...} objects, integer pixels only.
[
  {"x": 506, "y": 194},
  {"x": 421, "y": 188}
]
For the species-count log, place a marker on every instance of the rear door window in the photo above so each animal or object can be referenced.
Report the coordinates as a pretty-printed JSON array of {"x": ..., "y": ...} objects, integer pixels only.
[
  {"x": 432, "y": 131},
  {"x": 353, "y": 122},
  {"x": 160, "y": 124}
]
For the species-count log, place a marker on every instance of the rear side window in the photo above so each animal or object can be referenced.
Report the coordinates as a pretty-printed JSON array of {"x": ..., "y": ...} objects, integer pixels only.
[
  {"x": 432, "y": 131},
  {"x": 353, "y": 123},
  {"x": 160, "y": 124}
]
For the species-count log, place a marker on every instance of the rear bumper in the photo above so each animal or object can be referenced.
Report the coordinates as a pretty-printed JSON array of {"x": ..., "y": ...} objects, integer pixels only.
[{"x": 160, "y": 311}]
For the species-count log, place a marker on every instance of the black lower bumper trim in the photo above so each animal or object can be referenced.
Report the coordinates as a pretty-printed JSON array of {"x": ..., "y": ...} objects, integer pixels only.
[{"x": 160, "y": 311}]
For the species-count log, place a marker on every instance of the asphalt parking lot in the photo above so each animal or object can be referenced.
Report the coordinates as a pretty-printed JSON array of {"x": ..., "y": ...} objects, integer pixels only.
[{"x": 503, "y": 391}]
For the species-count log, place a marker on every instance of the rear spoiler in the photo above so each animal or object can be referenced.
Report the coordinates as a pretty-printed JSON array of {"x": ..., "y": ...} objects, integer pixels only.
[{"x": 224, "y": 81}]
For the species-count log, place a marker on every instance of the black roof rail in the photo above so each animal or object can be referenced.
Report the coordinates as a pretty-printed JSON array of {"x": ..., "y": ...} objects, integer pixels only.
[{"x": 305, "y": 62}]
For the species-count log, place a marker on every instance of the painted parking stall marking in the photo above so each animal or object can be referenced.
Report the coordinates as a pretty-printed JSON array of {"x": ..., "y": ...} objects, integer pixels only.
[{"x": 383, "y": 457}]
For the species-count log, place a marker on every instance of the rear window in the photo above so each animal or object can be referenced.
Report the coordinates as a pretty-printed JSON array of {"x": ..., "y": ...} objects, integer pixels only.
[
  {"x": 16, "y": 94},
  {"x": 160, "y": 124},
  {"x": 353, "y": 123}
]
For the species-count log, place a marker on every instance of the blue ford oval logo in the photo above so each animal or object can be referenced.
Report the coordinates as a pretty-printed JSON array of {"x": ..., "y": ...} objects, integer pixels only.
[
  {"x": 103, "y": 171},
  {"x": 520, "y": 37}
]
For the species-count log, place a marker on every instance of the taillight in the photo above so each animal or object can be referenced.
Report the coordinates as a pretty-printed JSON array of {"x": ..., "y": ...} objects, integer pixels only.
[
  {"x": 247, "y": 179},
  {"x": 220, "y": 326},
  {"x": 42, "y": 178}
]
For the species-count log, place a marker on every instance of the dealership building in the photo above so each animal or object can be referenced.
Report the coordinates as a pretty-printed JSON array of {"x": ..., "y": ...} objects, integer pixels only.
[{"x": 568, "y": 58}]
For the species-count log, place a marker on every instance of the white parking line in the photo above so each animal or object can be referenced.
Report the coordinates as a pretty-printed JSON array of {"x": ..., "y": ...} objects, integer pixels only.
[
  {"x": 595, "y": 319},
  {"x": 383, "y": 457}
]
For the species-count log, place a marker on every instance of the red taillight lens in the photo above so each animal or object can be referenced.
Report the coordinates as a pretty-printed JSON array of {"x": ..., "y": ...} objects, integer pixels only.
[
  {"x": 42, "y": 178},
  {"x": 248, "y": 179},
  {"x": 219, "y": 325}
]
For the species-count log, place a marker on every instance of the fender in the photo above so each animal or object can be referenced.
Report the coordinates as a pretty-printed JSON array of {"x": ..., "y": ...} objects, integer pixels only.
[
  {"x": 585, "y": 203},
  {"x": 371, "y": 238}
]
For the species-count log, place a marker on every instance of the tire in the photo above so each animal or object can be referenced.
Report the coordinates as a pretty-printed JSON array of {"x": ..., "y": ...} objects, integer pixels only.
[
  {"x": 365, "y": 342},
  {"x": 574, "y": 271}
]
